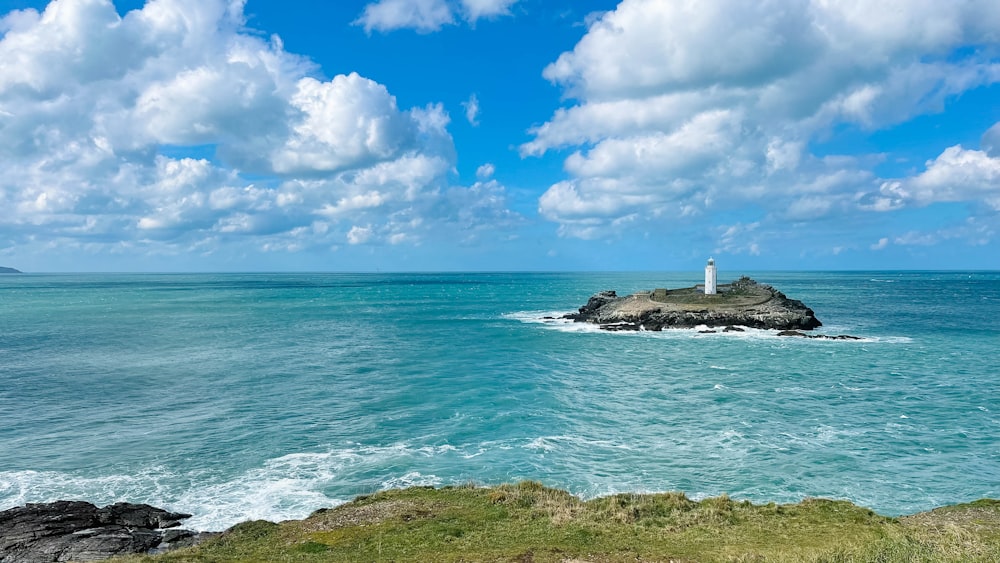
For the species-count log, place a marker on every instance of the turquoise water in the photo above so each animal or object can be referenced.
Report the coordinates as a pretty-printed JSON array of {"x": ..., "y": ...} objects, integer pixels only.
[{"x": 271, "y": 395}]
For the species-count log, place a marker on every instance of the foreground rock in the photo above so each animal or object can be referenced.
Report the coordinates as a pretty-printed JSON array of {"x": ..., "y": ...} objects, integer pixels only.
[
  {"x": 80, "y": 531},
  {"x": 741, "y": 303}
]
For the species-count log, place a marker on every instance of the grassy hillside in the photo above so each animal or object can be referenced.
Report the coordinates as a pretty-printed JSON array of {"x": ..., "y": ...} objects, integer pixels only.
[{"x": 530, "y": 523}]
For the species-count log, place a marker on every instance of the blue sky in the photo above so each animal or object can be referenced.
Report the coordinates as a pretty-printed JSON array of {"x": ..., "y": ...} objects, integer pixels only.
[{"x": 223, "y": 135}]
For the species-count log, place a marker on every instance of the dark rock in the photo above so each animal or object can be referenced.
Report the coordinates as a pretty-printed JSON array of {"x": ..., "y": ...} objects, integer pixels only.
[
  {"x": 622, "y": 327},
  {"x": 80, "y": 531},
  {"x": 595, "y": 302},
  {"x": 818, "y": 336},
  {"x": 706, "y": 332},
  {"x": 731, "y": 328},
  {"x": 173, "y": 536},
  {"x": 139, "y": 516},
  {"x": 792, "y": 333}
]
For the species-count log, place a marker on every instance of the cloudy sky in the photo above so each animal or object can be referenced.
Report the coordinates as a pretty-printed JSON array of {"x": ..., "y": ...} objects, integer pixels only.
[{"x": 232, "y": 135}]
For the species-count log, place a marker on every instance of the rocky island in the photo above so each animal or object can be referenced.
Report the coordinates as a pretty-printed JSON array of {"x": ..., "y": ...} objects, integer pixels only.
[{"x": 742, "y": 303}]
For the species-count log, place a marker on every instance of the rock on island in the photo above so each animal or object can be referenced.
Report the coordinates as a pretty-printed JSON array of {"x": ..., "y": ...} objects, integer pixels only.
[{"x": 743, "y": 302}]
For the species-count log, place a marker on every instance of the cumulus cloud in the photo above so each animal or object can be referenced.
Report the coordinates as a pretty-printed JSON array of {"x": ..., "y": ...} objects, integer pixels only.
[
  {"x": 359, "y": 235},
  {"x": 957, "y": 174},
  {"x": 344, "y": 123},
  {"x": 427, "y": 16},
  {"x": 679, "y": 109},
  {"x": 423, "y": 16},
  {"x": 123, "y": 131}
]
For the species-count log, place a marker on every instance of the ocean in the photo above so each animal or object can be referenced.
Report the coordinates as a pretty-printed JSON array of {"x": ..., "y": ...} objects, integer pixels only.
[{"x": 245, "y": 396}]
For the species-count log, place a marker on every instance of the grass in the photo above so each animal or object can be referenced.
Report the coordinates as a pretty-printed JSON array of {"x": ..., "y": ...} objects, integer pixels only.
[
  {"x": 728, "y": 296},
  {"x": 527, "y": 522}
]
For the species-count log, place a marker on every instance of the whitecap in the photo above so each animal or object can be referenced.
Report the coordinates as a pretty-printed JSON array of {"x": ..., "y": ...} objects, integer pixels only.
[
  {"x": 554, "y": 320},
  {"x": 731, "y": 435},
  {"x": 549, "y": 443},
  {"x": 412, "y": 479},
  {"x": 540, "y": 443}
]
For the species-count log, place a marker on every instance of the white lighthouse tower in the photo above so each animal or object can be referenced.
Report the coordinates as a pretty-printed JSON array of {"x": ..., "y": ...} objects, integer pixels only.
[{"x": 710, "y": 278}]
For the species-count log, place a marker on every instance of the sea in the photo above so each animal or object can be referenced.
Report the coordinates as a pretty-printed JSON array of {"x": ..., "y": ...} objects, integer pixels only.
[{"x": 267, "y": 396}]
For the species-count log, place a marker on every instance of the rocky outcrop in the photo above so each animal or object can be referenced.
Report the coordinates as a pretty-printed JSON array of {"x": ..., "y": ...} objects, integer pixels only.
[
  {"x": 741, "y": 303},
  {"x": 818, "y": 336},
  {"x": 80, "y": 531},
  {"x": 595, "y": 302}
]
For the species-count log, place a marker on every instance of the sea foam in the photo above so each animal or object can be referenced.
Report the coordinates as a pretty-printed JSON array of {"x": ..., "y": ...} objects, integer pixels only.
[{"x": 554, "y": 320}]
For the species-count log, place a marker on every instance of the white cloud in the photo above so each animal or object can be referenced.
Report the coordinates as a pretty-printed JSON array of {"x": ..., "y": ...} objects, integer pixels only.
[
  {"x": 957, "y": 174},
  {"x": 472, "y": 110},
  {"x": 346, "y": 123},
  {"x": 973, "y": 231},
  {"x": 485, "y": 171},
  {"x": 708, "y": 43},
  {"x": 473, "y": 10},
  {"x": 88, "y": 100},
  {"x": 881, "y": 244},
  {"x": 359, "y": 235},
  {"x": 991, "y": 140},
  {"x": 739, "y": 239},
  {"x": 680, "y": 109},
  {"x": 915, "y": 238},
  {"x": 707, "y": 138},
  {"x": 424, "y": 16},
  {"x": 427, "y": 16}
]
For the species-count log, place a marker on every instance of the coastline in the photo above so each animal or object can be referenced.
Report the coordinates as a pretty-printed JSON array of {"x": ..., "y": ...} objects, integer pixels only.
[
  {"x": 527, "y": 521},
  {"x": 760, "y": 416}
]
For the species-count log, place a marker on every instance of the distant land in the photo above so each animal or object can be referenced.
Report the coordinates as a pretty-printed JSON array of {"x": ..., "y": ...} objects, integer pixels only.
[{"x": 9, "y": 270}]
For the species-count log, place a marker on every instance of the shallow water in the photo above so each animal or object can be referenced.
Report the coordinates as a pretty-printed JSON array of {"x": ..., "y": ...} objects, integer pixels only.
[{"x": 242, "y": 396}]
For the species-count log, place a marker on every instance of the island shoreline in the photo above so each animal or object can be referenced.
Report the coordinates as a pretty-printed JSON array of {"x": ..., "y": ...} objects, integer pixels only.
[{"x": 742, "y": 303}]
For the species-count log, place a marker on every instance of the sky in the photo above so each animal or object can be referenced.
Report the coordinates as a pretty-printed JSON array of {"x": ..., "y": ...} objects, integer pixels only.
[{"x": 508, "y": 135}]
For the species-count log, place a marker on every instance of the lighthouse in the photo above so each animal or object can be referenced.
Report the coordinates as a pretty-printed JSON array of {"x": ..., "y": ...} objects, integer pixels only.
[{"x": 710, "y": 277}]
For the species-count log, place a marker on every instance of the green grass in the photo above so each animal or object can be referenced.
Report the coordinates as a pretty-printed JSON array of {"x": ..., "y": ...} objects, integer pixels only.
[
  {"x": 527, "y": 522},
  {"x": 726, "y": 298}
]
